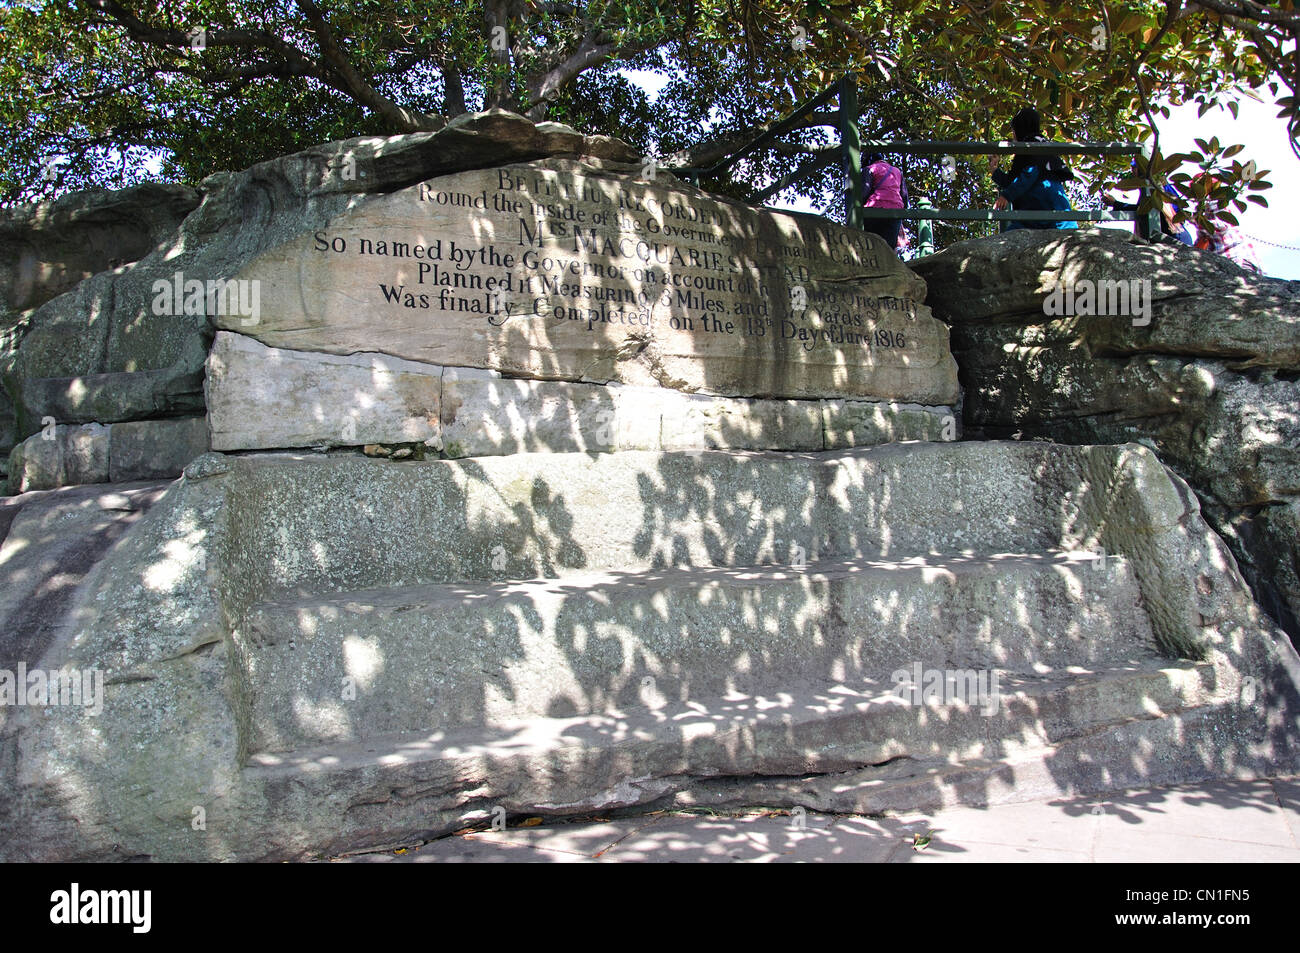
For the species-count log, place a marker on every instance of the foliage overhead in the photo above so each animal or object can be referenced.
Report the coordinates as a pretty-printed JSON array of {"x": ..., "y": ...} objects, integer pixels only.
[{"x": 93, "y": 90}]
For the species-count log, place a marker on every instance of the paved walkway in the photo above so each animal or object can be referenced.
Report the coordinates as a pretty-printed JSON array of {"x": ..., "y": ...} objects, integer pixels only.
[{"x": 1231, "y": 821}]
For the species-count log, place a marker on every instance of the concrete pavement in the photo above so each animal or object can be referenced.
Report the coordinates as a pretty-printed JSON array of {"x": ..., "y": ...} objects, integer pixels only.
[{"x": 1218, "y": 821}]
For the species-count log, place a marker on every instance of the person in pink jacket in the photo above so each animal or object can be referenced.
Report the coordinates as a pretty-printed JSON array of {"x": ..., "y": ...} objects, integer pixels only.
[{"x": 883, "y": 187}]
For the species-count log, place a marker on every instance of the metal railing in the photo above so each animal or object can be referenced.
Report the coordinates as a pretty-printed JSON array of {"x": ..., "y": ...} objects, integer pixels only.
[{"x": 851, "y": 148}]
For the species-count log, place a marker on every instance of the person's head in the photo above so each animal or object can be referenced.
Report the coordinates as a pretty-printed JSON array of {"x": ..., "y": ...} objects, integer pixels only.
[
  {"x": 1025, "y": 125},
  {"x": 874, "y": 157}
]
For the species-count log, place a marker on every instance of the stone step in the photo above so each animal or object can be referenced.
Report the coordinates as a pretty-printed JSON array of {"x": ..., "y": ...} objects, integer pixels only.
[
  {"x": 121, "y": 452},
  {"x": 349, "y": 666},
  {"x": 846, "y": 746},
  {"x": 191, "y": 610},
  {"x": 50, "y": 541},
  {"x": 319, "y": 523}
]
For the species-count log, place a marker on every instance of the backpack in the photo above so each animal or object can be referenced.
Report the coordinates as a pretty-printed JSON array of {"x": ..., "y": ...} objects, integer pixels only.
[{"x": 1053, "y": 168}]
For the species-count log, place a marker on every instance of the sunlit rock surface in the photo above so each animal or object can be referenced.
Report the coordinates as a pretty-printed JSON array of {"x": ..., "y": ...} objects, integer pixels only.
[
  {"x": 1202, "y": 366},
  {"x": 328, "y": 653}
]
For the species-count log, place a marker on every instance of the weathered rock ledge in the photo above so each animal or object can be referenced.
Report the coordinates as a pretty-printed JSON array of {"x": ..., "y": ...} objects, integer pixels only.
[{"x": 1209, "y": 377}]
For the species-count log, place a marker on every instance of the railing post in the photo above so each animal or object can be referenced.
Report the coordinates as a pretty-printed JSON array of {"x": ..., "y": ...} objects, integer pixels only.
[
  {"x": 924, "y": 229},
  {"x": 1147, "y": 224},
  {"x": 851, "y": 152}
]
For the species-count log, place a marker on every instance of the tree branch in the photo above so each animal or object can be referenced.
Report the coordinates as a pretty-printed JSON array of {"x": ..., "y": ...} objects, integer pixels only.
[
  {"x": 708, "y": 152},
  {"x": 398, "y": 117},
  {"x": 496, "y": 89},
  {"x": 336, "y": 71},
  {"x": 542, "y": 87}
]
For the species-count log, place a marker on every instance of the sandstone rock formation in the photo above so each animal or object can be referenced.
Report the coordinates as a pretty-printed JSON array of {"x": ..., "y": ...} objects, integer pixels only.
[
  {"x": 491, "y": 535},
  {"x": 564, "y": 270},
  {"x": 1207, "y": 377},
  {"x": 262, "y": 398},
  {"x": 48, "y": 248},
  {"x": 103, "y": 353},
  {"x": 561, "y": 276},
  {"x": 327, "y": 654},
  {"x": 49, "y": 542},
  {"x": 761, "y": 307},
  {"x": 117, "y": 453}
]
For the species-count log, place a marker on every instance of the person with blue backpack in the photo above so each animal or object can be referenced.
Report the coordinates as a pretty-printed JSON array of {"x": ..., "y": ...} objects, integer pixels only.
[{"x": 1035, "y": 182}]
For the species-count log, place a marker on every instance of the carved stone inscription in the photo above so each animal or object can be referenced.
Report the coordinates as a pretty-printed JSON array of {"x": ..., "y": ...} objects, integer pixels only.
[{"x": 558, "y": 270}]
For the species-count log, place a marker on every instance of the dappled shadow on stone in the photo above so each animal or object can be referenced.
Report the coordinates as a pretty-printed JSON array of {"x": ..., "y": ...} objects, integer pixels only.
[
  {"x": 1205, "y": 372},
  {"x": 413, "y": 647},
  {"x": 320, "y": 653}
]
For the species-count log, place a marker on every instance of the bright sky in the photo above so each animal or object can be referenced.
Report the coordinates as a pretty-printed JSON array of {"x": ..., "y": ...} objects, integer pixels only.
[{"x": 1265, "y": 138}]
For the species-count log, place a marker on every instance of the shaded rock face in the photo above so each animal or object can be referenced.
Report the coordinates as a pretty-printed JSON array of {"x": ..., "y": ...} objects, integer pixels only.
[
  {"x": 586, "y": 275},
  {"x": 1204, "y": 368},
  {"x": 567, "y": 270},
  {"x": 116, "y": 453},
  {"x": 334, "y": 653},
  {"x": 50, "y": 247},
  {"x": 105, "y": 352},
  {"x": 49, "y": 542},
  {"x": 327, "y": 651},
  {"x": 525, "y": 250}
]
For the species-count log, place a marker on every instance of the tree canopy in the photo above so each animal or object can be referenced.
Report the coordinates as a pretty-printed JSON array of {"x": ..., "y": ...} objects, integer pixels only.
[{"x": 91, "y": 90}]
